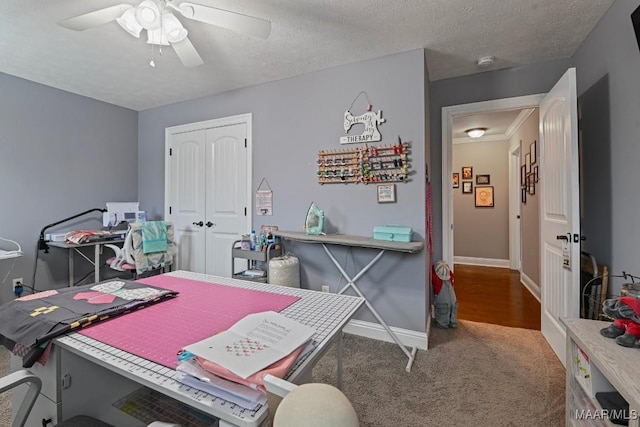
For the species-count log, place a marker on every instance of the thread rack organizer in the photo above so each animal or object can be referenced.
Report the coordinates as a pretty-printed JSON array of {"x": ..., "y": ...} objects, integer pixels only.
[{"x": 366, "y": 164}]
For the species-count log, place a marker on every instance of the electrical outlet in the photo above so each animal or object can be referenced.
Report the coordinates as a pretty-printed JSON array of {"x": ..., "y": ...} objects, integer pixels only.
[
  {"x": 325, "y": 288},
  {"x": 18, "y": 283}
]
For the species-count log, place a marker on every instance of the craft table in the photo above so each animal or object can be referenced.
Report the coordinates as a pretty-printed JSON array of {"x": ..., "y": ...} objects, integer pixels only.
[
  {"x": 79, "y": 362},
  {"x": 361, "y": 242},
  {"x": 75, "y": 249}
]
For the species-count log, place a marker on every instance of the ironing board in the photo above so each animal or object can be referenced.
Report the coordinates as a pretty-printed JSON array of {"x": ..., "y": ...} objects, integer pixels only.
[{"x": 361, "y": 242}]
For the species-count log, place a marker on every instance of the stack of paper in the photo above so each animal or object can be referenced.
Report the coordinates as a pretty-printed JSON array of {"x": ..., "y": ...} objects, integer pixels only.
[
  {"x": 253, "y": 343},
  {"x": 262, "y": 341}
]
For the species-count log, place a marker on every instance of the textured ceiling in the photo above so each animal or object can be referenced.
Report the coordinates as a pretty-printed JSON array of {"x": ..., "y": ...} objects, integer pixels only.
[{"x": 108, "y": 64}]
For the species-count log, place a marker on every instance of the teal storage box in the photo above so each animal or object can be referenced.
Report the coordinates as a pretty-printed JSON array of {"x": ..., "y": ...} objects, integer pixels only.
[{"x": 392, "y": 233}]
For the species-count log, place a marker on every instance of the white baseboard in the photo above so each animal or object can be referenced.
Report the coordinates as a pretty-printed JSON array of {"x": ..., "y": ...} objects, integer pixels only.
[
  {"x": 530, "y": 285},
  {"x": 486, "y": 262},
  {"x": 377, "y": 332}
]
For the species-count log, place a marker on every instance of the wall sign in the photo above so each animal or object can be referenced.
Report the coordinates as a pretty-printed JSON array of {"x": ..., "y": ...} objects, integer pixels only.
[
  {"x": 369, "y": 119},
  {"x": 264, "y": 199}
]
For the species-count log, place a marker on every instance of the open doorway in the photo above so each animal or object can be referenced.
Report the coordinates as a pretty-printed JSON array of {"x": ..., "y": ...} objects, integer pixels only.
[{"x": 490, "y": 244}]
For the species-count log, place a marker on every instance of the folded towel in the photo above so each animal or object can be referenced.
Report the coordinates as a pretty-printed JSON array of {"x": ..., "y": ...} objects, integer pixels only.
[{"x": 154, "y": 237}]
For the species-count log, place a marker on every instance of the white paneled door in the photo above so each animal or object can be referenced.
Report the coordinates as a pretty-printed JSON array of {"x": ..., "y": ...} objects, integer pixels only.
[
  {"x": 226, "y": 188},
  {"x": 559, "y": 211},
  {"x": 185, "y": 197},
  {"x": 207, "y": 193}
]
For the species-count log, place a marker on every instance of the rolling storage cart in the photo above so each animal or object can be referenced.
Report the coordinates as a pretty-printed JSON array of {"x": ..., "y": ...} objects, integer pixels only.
[{"x": 254, "y": 257}]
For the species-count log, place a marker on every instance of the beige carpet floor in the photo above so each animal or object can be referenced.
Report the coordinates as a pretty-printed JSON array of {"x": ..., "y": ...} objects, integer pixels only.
[
  {"x": 476, "y": 375},
  {"x": 5, "y": 399}
]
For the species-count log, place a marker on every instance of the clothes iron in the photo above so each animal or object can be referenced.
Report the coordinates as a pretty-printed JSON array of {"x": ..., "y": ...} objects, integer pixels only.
[{"x": 314, "y": 223}]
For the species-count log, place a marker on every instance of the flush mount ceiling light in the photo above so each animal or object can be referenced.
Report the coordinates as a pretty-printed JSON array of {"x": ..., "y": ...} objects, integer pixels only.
[
  {"x": 475, "y": 132},
  {"x": 164, "y": 28},
  {"x": 486, "y": 61}
]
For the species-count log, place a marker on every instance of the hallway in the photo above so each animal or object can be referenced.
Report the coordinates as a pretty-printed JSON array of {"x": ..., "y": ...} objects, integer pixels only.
[{"x": 495, "y": 295}]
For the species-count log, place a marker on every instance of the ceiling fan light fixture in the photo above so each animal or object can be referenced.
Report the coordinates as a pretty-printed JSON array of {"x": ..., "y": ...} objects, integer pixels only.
[
  {"x": 148, "y": 15},
  {"x": 129, "y": 23},
  {"x": 173, "y": 28},
  {"x": 475, "y": 132},
  {"x": 157, "y": 37}
]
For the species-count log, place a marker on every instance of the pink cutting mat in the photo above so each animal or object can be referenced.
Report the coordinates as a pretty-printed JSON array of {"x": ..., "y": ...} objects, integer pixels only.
[{"x": 201, "y": 310}]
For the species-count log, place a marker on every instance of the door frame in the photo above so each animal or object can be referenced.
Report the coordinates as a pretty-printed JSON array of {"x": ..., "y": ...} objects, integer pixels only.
[
  {"x": 515, "y": 231},
  {"x": 448, "y": 113},
  {"x": 246, "y": 119}
]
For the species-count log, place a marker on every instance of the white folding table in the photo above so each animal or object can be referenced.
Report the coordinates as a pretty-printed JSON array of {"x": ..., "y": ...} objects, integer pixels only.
[
  {"x": 75, "y": 249},
  {"x": 361, "y": 242},
  {"x": 82, "y": 369}
]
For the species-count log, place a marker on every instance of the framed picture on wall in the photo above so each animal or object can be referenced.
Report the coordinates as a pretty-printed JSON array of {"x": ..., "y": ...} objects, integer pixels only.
[
  {"x": 532, "y": 184},
  {"x": 386, "y": 193},
  {"x": 533, "y": 149},
  {"x": 484, "y": 197},
  {"x": 523, "y": 195},
  {"x": 523, "y": 175},
  {"x": 467, "y": 172},
  {"x": 467, "y": 187},
  {"x": 527, "y": 162},
  {"x": 483, "y": 179},
  {"x": 535, "y": 173},
  {"x": 456, "y": 180}
]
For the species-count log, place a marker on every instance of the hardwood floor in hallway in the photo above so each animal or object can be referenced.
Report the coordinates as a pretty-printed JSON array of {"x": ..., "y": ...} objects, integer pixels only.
[{"x": 495, "y": 295}]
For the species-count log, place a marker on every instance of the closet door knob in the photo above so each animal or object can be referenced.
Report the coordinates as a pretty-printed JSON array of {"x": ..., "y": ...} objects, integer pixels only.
[
  {"x": 209, "y": 224},
  {"x": 199, "y": 223}
]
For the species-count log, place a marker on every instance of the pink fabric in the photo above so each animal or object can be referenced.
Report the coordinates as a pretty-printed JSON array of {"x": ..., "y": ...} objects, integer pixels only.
[
  {"x": 95, "y": 297},
  {"x": 277, "y": 369}
]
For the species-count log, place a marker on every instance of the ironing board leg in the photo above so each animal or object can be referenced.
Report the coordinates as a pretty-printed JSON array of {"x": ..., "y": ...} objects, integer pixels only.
[{"x": 411, "y": 355}]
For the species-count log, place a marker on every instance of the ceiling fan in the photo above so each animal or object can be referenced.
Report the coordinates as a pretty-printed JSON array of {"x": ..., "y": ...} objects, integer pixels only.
[{"x": 163, "y": 27}]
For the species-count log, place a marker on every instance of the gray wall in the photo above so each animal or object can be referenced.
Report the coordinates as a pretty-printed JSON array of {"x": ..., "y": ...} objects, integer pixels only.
[
  {"x": 61, "y": 154},
  {"x": 292, "y": 120},
  {"x": 529, "y": 211},
  {"x": 518, "y": 81},
  {"x": 480, "y": 232},
  {"x": 608, "y": 73}
]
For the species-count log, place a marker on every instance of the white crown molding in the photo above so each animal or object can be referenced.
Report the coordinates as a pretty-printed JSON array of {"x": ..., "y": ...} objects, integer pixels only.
[
  {"x": 513, "y": 127},
  {"x": 522, "y": 117}
]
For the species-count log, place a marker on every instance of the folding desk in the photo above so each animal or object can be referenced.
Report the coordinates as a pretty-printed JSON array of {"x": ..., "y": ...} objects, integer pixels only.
[
  {"x": 85, "y": 376},
  {"x": 75, "y": 248},
  {"x": 361, "y": 242}
]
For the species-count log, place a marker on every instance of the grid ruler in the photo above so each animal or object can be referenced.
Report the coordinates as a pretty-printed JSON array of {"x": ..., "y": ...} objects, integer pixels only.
[{"x": 327, "y": 313}]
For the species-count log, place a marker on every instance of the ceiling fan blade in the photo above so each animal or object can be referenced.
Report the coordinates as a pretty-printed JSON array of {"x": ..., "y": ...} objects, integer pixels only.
[
  {"x": 237, "y": 22},
  {"x": 95, "y": 18},
  {"x": 187, "y": 53}
]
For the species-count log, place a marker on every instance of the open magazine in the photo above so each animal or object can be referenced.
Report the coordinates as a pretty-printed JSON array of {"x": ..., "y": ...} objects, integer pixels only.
[{"x": 253, "y": 343}]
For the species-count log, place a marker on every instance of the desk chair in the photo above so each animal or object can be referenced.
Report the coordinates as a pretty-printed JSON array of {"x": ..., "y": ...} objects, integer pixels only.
[
  {"x": 24, "y": 376},
  {"x": 309, "y": 405},
  {"x": 131, "y": 256}
]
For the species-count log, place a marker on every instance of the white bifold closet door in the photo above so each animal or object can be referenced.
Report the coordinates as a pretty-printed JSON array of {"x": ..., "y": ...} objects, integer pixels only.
[{"x": 207, "y": 197}]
